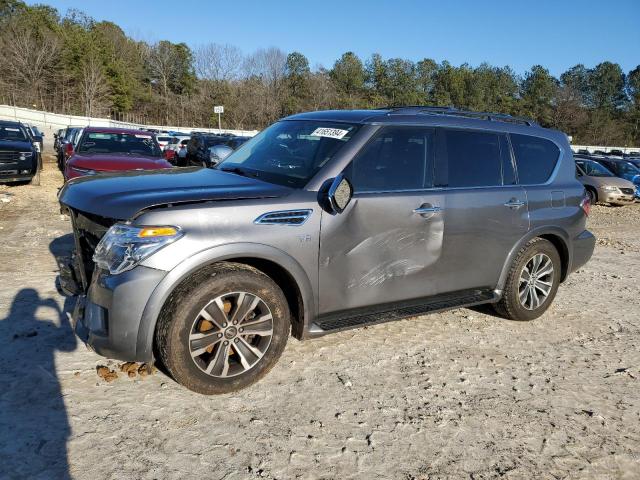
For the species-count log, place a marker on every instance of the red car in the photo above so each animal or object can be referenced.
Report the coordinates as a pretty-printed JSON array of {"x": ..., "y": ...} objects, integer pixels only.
[{"x": 104, "y": 149}]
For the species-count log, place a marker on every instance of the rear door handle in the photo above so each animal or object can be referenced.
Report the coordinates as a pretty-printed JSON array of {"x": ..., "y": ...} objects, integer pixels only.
[{"x": 514, "y": 203}]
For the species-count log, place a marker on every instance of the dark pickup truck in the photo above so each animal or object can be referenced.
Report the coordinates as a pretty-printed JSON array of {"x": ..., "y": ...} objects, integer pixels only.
[{"x": 18, "y": 154}]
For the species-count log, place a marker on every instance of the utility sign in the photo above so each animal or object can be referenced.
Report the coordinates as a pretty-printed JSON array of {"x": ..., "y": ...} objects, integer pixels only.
[{"x": 219, "y": 109}]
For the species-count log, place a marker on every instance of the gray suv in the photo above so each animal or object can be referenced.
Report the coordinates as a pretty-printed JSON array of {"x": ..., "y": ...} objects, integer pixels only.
[{"x": 322, "y": 222}]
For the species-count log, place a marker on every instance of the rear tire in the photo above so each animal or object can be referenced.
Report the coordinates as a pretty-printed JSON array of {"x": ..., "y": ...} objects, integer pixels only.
[
  {"x": 200, "y": 337},
  {"x": 593, "y": 196},
  {"x": 532, "y": 282}
]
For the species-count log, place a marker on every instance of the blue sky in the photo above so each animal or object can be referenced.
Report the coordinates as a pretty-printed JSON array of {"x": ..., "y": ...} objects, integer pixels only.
[{"x": 556, "y": 34}]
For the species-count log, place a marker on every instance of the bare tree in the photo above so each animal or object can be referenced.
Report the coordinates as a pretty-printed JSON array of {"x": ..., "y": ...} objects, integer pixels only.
[
  {"x": 269, "y": 66},
  {"x": 322, "y": 92},
  {"x": 29, "y": 59},
  {"x": 568, "y": 114},
  {"x": 93, "y": 85},
  {"x": 218, "y": 62},
  {"x": 163, "y": 64}
]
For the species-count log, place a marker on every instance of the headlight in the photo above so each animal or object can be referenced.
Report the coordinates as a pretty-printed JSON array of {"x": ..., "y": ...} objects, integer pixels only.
[
  {"x": 37, "y": 145},
  {"x": 84, "y": 171},
  {"x": 25, "y": 155},
  {"x": 125, "y": 246},
  {"x": 610, "y": 188}
]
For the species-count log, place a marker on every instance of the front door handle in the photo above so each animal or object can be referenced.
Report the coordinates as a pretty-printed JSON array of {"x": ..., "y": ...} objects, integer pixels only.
[
  {"x": 514, "y": 203},
  {"x": 427, "y": 209}
]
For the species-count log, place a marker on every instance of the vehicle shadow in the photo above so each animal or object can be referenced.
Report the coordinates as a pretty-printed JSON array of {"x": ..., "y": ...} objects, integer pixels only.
[{"x": 34, "y": 426}]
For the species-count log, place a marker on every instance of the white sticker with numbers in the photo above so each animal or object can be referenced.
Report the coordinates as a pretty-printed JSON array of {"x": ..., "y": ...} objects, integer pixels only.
[{"x": 329, "y": 132}]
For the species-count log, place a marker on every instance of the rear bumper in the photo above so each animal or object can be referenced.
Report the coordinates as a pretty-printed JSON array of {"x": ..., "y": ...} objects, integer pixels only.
[
  {"x": 107, "y": 318},
  {"x": 583, "y": 246}
]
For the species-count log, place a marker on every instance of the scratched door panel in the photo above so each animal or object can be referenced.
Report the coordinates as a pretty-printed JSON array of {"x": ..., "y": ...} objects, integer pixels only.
[{"x": 379, "y": 250}]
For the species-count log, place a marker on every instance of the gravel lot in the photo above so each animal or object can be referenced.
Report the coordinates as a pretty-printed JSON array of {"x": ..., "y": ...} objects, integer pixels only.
[{"x": 457, "y": 394}]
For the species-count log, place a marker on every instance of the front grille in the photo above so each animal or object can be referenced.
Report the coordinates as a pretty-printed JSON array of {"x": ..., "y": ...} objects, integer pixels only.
[
  {"x": 9, "y": 157},
  {"x": 627, "y": 191},
  {"x": 88, "y": 229}
]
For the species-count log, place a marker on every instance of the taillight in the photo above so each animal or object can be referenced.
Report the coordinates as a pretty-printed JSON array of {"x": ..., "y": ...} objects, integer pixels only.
[
  {"x": 585, "y": 204},
  {"x": 68, "y": 149}
]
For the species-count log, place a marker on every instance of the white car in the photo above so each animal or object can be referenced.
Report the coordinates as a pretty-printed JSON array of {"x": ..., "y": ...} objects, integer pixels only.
[
  {"x": 176, "y": 150},
  {"x": 163, "y": 139}
]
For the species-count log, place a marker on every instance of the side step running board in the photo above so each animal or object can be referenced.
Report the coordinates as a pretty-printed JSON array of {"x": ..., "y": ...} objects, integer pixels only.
[{"x": 389, "y": 312}]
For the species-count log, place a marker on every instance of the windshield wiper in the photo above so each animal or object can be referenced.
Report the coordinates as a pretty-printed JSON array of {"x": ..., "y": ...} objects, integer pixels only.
[{"x": 237, "y": 171}]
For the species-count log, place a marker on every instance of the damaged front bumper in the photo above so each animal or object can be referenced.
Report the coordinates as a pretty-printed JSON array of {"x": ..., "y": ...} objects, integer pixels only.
[{"x": 107, "y": 317}]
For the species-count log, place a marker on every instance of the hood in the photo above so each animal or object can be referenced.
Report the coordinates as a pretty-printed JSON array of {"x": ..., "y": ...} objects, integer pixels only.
[
  {"x": 15, "y": 146},
  {"x": 612, "y": 181},
  {"x": 109, "y": 162},
  {"x": 121, "y": 196}
]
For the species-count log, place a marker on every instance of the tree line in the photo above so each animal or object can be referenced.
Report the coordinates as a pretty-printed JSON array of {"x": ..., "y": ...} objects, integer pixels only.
[{"x": 75, "y": 65}]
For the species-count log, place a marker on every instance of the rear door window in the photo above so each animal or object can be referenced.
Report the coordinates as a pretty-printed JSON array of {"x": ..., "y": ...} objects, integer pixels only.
[
  {"x": 398, "y": 158},
  {"x": 536, "y": 158},
  {"x": 471, "y": 159}
]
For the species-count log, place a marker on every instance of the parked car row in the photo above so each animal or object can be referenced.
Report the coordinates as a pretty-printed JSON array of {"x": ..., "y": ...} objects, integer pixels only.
[
  {"x": 609, "y": 179},
  {"x": 85, "y": 151},
  {"x": 202, "y": 149},
  {"x": 20, "y": 147}
]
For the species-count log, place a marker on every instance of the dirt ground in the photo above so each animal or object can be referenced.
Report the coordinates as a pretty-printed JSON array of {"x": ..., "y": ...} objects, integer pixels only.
[{"x": 452, "y": 395}]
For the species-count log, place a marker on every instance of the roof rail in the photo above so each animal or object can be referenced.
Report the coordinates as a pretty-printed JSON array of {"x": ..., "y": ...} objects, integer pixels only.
[{"x": 495, "y": 117}]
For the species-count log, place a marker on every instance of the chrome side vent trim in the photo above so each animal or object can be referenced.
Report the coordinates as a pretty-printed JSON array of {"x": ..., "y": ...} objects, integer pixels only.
[{"x": 284, "y": 217}]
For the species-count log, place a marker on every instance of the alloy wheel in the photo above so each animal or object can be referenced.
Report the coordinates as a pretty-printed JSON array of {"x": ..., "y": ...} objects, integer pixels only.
[
  {"x": 231, "y": 334},
  {"x": 536, "y": 281}
]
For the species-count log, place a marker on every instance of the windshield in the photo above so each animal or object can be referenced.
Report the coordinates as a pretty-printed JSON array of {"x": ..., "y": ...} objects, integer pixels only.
[
  {"x": 628, "y": 168},
  {"x": 111, "y": 142},
  {"x": 290, "y": 152},
  {"x": 12, "y": 134},
  {"x": 594, "y": 169}
]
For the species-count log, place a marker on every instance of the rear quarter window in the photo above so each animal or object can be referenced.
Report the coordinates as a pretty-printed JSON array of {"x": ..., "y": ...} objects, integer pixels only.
[{"x": 535, "y": 158}]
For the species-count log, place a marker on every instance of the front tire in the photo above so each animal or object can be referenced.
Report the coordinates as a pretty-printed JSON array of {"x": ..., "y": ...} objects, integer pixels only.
[
  {"x": 224, "y": 329},
  {"x": 35, "y": 180},
  {"x": 532, "y": 282}
]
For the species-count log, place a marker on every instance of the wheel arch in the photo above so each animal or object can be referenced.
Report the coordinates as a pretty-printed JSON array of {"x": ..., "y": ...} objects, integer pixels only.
[
  {"x": 277, "y": 264},
  {"x": 594, "y": 190},
  {"x": 557, "y": 236}
]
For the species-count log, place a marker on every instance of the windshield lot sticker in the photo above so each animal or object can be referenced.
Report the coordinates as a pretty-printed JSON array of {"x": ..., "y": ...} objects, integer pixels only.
[{"x": 329, "y": 133}]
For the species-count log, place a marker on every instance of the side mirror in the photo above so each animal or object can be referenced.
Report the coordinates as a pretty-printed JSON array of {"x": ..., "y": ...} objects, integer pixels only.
[
  {"x": 340, "y": 194},
  {"x": 218, "y": 153}
]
